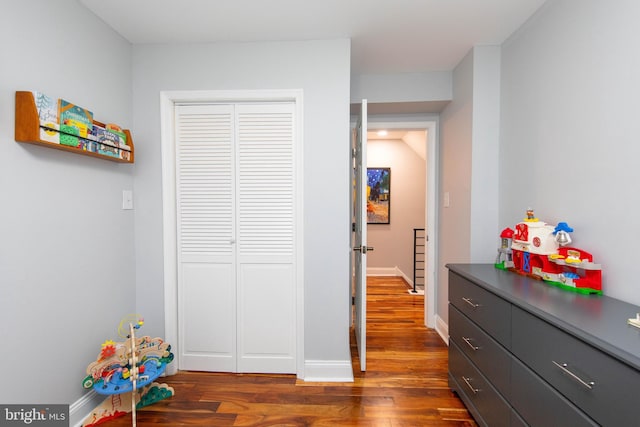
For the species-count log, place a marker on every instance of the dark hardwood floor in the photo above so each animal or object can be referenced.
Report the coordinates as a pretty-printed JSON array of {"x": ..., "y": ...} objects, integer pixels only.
[{"x": 405, "y": 383}]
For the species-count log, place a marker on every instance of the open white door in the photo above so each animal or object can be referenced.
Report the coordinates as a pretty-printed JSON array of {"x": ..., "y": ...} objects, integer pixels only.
[{"x": 360, "y": 235}]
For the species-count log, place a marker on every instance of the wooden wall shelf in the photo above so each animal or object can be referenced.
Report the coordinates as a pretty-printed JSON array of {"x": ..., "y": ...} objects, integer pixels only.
[{"x": 28, "y": 128}]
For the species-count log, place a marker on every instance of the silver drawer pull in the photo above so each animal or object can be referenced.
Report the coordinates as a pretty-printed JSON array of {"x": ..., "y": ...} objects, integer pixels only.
[
  {"x": 565, "y": 368},
  {"x": 471, "y": 303},
  {"x": 467, "y": 381},
  {"x": 468, "y": 341}
]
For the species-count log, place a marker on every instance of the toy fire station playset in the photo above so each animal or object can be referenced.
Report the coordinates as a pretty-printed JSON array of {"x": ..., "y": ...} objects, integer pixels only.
[
  {"x": 540, "y": 250},
  {"x": 125, "y": 372}
]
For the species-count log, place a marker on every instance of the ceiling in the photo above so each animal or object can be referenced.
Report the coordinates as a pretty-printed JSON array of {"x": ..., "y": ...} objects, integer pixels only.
[
  {"x": 390, "y": 135},
  {"x": 415, "y": 138},
  {"x": 387, "y": 36}
]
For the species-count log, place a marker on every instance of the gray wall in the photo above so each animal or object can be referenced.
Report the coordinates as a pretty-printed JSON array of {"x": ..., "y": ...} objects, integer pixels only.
[
  {"x": 469, "y": 147},
  {"x": 567, "y": 143},
  {"x": 485, "y": 150},
  {"x": 569, "y": 130},
  {"x": 407, "y": 87},
  {"x": 67, "y": 268},
  {"x": 321, "y": 69},
  {"x": 455, "y": 179}
]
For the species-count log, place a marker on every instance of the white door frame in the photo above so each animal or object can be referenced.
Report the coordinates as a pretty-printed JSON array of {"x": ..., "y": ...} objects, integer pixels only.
[
  {"x": 168, "y": 99},
  {"x": 431, "y": 211}
]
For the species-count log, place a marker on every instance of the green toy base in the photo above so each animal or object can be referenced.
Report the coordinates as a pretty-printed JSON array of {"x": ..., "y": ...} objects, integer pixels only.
[{"x": 584, "y": 291}]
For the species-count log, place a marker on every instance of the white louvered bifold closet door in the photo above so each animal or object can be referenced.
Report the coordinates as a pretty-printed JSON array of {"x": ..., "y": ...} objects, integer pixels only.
[
  {"x": 205, "y": 190},
  {"x": 266, "y": 285},
  {"x": 235, "y": 186}
]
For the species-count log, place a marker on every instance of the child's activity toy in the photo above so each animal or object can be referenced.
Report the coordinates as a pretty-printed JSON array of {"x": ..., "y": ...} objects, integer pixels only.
[
  {"x": 125, "y": 371},
  {"x": 541, "y": 250}
]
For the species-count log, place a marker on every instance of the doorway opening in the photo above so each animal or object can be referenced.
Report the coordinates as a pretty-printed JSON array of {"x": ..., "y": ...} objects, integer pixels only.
[
  {"x": 423, "y": 137},
  {"x": 429, "y": 141},
  {"x": 400, "y": 154}
]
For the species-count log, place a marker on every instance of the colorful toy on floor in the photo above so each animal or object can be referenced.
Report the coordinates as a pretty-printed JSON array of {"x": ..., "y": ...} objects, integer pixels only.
[
  {"x": 540, "y": 250},
  {"x": 125, "y": 371}
]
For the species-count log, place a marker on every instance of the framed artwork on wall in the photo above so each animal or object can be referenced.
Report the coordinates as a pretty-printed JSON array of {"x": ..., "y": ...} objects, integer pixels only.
[{"x": 378, "y": 195}]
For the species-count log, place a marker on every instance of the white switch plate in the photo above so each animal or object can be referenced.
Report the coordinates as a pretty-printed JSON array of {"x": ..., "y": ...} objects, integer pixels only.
[
  {"x": 445, "y": 202},
  {"x": 127, "y": 199}
]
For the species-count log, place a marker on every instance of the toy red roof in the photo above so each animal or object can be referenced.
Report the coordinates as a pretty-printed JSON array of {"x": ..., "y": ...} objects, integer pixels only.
[{"x": 507, "y": 233}]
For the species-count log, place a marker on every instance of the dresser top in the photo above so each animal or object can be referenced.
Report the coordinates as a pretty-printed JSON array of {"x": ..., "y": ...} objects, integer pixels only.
[{"x": 597, "y": 319}]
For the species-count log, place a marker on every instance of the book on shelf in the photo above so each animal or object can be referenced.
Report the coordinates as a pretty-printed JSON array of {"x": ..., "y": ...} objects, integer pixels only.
[
  {"x": 69, "y": 135},
  {"x": 104, "y": 136},
  {"x": 117, "y": 130},
  {"x": 47, "y": 107},
  {"x": 50, "y": 132},
  {"x": 108, "y": 150},
  {"x": 74, "y": 116}
]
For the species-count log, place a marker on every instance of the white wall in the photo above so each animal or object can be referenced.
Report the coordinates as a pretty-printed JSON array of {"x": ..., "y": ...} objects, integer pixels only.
[
  {"x": 569, "y": 134},
  {"x": 404, "y": 87},
  {"x": 485, "y": 154},
  {"x": 469, "y": 166},
  {"x": 455, "y": 179},
  {"x": 321, "y": 69},
  {"x": 393, "y": 242},
  {"x": 67, "y": 266}
]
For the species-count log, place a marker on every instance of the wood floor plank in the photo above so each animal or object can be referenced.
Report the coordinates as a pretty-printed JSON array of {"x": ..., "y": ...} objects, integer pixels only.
[{"x": 405, "y": 384}]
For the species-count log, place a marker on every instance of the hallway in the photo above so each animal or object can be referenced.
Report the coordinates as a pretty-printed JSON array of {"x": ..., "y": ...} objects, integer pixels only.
[{"x": 406, "y": 362}]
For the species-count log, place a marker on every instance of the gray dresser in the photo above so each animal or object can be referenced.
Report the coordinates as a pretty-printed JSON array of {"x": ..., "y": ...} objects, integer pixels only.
[{"x": 522, "y": 352}]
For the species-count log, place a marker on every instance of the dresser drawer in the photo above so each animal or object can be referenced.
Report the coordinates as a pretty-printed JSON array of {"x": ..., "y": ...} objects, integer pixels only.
[
  {"x": 539, "y": 404},
  {"x": 604, "y": 387},
  {"x": 490, "y": 312},
  {"x": 516, "y": 420},
  {"x": 474, "y": 389},
  {"x": 488, "y": 356}
]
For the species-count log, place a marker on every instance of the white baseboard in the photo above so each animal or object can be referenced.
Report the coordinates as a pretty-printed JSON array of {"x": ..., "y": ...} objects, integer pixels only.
[
  {"x": 382, "y": 271},
  {"x": 389, "y": 271},
  {"x": 405, "y": 277},
  {"x": 171, "y": 369},
  {"x": 328, "y": 371},
  {"x": 442, "y": 329},
  {"x": 81, "y": 408}
]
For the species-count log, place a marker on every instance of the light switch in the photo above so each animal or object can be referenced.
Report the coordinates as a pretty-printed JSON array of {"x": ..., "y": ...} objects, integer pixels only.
[
  {"x": 127, "y": 199},
  {"x": 445, "y": 202}
]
